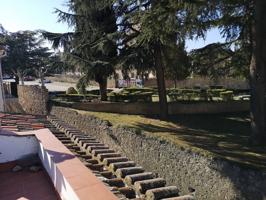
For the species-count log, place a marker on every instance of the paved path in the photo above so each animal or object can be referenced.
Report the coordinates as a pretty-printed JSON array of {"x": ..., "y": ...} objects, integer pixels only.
[{"x": 56, "y": 86}]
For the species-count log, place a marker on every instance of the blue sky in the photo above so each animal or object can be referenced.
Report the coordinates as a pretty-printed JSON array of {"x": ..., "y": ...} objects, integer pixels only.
[
  {"x": 18, "y": 15},
  {"x": 212, "y": 36},
  {"x": 31, "y": 15}
]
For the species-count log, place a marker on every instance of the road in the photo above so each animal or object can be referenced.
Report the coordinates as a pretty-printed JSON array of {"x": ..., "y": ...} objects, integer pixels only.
[{"x": 57, "y": 86}]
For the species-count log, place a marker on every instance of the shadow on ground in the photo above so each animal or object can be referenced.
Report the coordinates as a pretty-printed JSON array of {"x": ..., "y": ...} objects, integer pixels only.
[{"x": 226, "y": 136}]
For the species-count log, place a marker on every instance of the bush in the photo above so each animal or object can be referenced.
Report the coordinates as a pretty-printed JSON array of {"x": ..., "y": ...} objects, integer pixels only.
[
  {"x": 183, "y": 94},
  {"x": 126, "y": 96},
  {"x": 75, "y": 97},
  {"x": 97, "y": 91},
  {"x": 215, "y": 92},
  {"x": 227, "y": 95},
  {"x": 71, "y": 90},
  {"x": 135, "y": 89},
  {"x": 216, "y": 87}
]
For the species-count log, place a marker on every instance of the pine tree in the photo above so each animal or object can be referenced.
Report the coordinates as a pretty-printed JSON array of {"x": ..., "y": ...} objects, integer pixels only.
[
  {"x": 242, "y": 22},
  {"x": 24, "y": 53},
  {"x": 92, "y": 46},
  {"x": 258, "y": 74},
  {"x": 157, "y": 27}
]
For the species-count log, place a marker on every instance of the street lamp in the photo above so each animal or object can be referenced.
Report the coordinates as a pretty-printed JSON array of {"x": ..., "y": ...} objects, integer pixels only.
[{"x": 2, "y": 97}]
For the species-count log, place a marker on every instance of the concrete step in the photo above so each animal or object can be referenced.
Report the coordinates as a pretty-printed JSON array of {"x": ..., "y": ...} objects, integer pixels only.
[
  {"x": 123, "y": 172},
  {"x": 162, "y": 192},
  {"x": 142, "y": 186},
  {"x": 131, "y": 179}
]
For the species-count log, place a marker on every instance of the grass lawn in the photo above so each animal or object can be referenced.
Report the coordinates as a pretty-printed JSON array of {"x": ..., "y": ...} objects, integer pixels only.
[{"x": 223, "y": 135}]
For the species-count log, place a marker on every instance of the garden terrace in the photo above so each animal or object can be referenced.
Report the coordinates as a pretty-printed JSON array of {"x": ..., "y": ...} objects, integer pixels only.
[
  {"x": 219, "y": 135},
  {"x": 195, "y": 151},
  {"x": 151, "y": 95}
]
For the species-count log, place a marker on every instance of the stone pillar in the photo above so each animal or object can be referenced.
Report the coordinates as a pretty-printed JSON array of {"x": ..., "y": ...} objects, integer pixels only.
[{"x": 33, "y": 99}]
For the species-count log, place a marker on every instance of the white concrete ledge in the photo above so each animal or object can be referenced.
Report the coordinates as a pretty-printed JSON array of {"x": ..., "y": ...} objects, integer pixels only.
[{"x": 71, "y": 179}]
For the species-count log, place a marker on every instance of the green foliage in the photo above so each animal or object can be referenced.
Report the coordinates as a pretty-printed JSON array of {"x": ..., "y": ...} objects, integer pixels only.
[
  {"x": 74, "y": 97},
  {"x": 25, "y": 53},
  {"x": 177, "y": 94},
  {"x": 132, "y": 95},
  {"x": 227, "y": 95},
  {"x": 92, "y": 46},
  {"x": 232, "y": 58},
  {"x": 137, "y": 90},
  {"x": 71, "y": 90},
  {"x": 215, "y": 92},
  {"x": 177, "y": 62},
  {"x": 96, "y": 91},
  {"x": 212, "y": 60},
  {"x": 219, "y": 60}
]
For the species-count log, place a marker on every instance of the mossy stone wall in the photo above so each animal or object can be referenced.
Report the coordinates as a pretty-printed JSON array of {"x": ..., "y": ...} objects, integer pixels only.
[{"x": 212, "y": 178}]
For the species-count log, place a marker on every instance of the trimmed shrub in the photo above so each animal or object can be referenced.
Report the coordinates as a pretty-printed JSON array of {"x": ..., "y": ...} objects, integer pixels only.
[
  {"x": 71, "y": 90},
  {"x": 215, "y": 92},
  {"x": 75, "y": 97},
  {"x": 126, "y": 96},
  {"x": 227, "y": 95},
  {"x": 216, "y": 87},
  {"x": 183, "y": 94}
]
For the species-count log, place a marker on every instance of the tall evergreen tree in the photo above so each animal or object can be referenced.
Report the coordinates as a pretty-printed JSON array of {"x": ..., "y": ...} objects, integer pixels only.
[
  {"x": 258, "y": 74},
  {"x": 242, "y": 22},
  {"x": 24, "y": 53},
  {"x": 158, "y": 26},
  {"x": 93, "y": 44}
]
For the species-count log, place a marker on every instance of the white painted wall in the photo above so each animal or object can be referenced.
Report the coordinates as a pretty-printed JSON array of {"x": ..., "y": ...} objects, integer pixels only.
[
  {"x": 13, "y": 147},
  {"x": 62, "y": 186}
]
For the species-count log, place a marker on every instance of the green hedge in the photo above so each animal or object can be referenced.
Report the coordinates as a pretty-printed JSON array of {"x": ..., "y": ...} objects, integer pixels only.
[
  {"x": 75, "y": 97},
  {"x": 131, "y": 95},
  {"x": 227, "y": 95},
  {"x": 199, "y": 94},
  {"x": 96, "y": 91},
  {"x": 215, "y": 92}
]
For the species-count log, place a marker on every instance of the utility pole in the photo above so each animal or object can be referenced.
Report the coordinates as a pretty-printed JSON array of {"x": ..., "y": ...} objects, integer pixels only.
[{"x": 2, "y": 95}]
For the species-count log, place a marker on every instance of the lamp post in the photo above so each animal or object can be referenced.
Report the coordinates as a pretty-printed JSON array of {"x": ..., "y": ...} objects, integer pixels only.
[{"x": 2, "y": 97}]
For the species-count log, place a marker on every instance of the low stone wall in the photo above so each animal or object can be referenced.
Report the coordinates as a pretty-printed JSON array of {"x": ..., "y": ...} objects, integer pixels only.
[
  {"x": 13, "y": 106},
  {"x": 33, "y": 99},
  {"x": 213, "y": 178},
  {"x": 141, "y": 108}
]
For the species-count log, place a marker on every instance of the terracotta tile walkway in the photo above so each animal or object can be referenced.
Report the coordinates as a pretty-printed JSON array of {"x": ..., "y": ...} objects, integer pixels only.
[
  {"x": 25, "y": 185},
  {"x": 14, "y": 122}
]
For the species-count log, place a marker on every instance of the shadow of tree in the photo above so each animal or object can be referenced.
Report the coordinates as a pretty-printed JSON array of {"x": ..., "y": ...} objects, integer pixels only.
[{"x": 225, "y": 135}]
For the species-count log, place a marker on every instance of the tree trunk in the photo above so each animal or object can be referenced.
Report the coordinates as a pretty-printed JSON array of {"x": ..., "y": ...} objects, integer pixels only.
[
  {"x": 21, "y": 78},
  {"x": 17, "y": 80},
  {"x": 160, "y": 81},
  {"x": 42, "y": 79},
  {"x": 257, "y": 75},
  {"x": 103, "y": 88}
]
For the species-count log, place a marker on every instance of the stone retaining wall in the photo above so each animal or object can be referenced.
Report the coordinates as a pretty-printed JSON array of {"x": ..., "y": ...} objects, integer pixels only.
[
  {"x": 33, "y": 99},
  {"x": 13, "y": 106},
  {"x": 213, "y": 179}
]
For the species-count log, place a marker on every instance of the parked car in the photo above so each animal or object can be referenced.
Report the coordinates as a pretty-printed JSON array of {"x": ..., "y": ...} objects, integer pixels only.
[
  {"x": 28, "y": 78},
  {"x": 6, "y": 76},
  {"x": 45, "y": 81}
]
